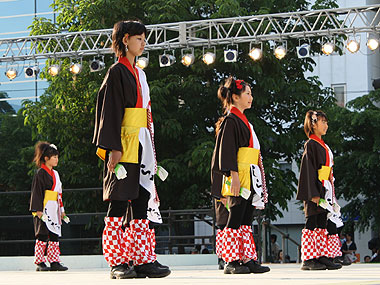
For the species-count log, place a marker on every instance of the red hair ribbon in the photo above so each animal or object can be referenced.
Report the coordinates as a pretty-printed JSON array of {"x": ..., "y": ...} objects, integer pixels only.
[{"x": 238, "y": 84}]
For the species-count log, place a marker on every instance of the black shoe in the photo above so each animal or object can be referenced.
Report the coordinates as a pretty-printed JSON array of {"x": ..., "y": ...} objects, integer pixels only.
[
  {"x": 56, "y": 266},
  {"x": 330, "y": 265},
  {"x": 312, "y": 264},
  {"x": 161, "y": 265},
  {"x": 122, "y": 271},
  {"x": 235, "y": 267},
  {"x": 151, "y": 270},
  {"x": 255, "y": 267},
  {"x": 221, "y": 264},
  {"x": 42, "y": 267},
  {"x": 342, "y": 261}
]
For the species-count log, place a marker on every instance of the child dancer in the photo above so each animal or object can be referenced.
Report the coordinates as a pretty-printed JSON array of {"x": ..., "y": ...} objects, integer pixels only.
[
  {"x": 47, "y": 207},
  {"x": 124, "y": 135},
  {"x": 320, "y": 242},
  {"x": 238, "y": 175}
]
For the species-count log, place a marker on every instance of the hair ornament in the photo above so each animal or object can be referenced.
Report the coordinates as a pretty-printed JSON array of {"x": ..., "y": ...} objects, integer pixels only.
[
  {"x": 314, "y": 117},
  {"x": 53, "y": 146},
  {"x": 238, "y": 84}
]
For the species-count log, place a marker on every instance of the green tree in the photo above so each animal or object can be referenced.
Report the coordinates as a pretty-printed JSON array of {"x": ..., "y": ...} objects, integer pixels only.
[
  {"x": 355, "y": 133},
  {"x": 185, "y": 107},
  {"x": 5, "y": 107}
]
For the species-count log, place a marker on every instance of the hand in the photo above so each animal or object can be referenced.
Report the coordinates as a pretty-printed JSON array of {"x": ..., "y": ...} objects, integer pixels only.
[
  {"x": 223, "y": 201},
  {"x": 113, "y": 160},
  {"x": 63, "y": 214},
  {"x": 39, "y": 214},
  {"x": 315, "y": 200},
  {"x": 235, "y": 184}
]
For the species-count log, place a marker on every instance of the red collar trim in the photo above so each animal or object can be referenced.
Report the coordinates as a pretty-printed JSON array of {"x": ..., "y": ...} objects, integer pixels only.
[
  {"x": 322, "y": 143},
  {"x": 123, "y": 60},
  {"x": 242, "y": 117},
  {"x": 50, "y": 172}
]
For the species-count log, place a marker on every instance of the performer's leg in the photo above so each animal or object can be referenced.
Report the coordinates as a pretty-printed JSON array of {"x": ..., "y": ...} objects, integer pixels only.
[
  {"x": 309, "y": 251},
  {"x": 142, "y": 240},
  {"x": 39, "y": 253},
  {"x": 232, "y": 238},
  {"x": 322, "y": 243},
  {"x": 53, "y": 253},
  {"x": 334, "y": 244},
  {"x": 249, "y": 248},
  {"x": 114, "y": 241},
  {"x": 221, "y": 217}
]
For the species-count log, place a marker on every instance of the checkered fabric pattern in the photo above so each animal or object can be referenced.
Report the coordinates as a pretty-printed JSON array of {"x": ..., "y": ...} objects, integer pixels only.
[
  {"x": 53, "y": 251},
  {"x": 152, "y": 241},
  {"x": 126, "y": 245},
  {"x": 321, "y": 241},
  {"x": 39, "y": 251},
  {"x": 232, "y": 246},
  {"x": 219, "y": 243},
  {"x": 334, "y": 245},
  {"x": 308, "y": 245},
  {"x": 113, "y": 241},
  {"x": 141, "y": 242},
  {"x": 249, "y": 247}
]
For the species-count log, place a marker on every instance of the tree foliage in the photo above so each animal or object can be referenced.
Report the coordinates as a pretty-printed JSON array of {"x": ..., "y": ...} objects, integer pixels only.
[
  {"x": 185, "y": 107},
  {"x": 355, "y": 136}
]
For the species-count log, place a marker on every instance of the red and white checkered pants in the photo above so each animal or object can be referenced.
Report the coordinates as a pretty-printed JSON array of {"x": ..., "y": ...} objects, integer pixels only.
[
  {"x": 321, "y": 241},
  {"x": 232, "y": 246},
  {"x": 142, "y": 242},
  {"x": 53, "y": 251},
  {"x": 308, "y": 245},
  {"x": 39, "y": 251},
  {"x": 249, "y": 247},
  {"x": 219, "y": 243},
  {"x": 114, "y": 241},
  {"x": 152, "y": 241},
  {"x": 333, "y": 245}
]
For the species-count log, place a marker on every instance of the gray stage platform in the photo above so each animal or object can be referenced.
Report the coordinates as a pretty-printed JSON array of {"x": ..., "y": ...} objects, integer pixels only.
[{"x": 203, "y": 274}]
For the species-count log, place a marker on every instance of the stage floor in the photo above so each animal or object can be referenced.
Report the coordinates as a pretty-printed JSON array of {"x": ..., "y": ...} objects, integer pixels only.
[{"x": 205, "y": 274}]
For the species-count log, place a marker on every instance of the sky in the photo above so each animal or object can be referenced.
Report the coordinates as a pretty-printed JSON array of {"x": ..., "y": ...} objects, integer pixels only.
[{"x": 15, "y": 17}]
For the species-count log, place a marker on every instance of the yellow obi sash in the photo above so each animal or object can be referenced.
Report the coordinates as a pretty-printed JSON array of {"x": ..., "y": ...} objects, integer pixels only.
[
  {"x": 49, "y": 196},
  {"x": 134, "y": 119},
  {"x": 245, "y": 157},
  {"x": 324, "y": 173}
]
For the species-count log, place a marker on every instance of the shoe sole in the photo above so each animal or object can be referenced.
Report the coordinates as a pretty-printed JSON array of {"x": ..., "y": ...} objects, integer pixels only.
[
  {"x": 312, "y": 269},
  {"x": 123, "y": 277},
  {"x": 143, "y": 275}
]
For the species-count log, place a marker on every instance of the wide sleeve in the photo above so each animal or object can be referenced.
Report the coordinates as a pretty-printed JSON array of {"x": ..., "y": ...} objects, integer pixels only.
[
  {"x": 111, "y": 112},
  {"x": 37, "y": 193},
  {"x": 228, "y": 149},
  {"x": 308, "y": 180}
]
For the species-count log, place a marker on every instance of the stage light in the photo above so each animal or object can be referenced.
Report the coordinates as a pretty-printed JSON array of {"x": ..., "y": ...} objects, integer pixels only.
[
  {"x": 97, "y": 65},
  {"x": 280, "y": 52},
  {"x": 54, "y": 70},
  {"x": 230, "y": 55},
  {"x": 75, "y": 68},
  {"x": 142, "y": 62},
  {"x": 328, "y": 48},
  {"x": 167, "y": 59},
  {"x": 188, "y": 59},
  {"x": 255, "y": 52},
  {"x": 11, "y": 73},
  {"x": 353, "y": 46},
  {"x": 303, "y": 51},
  {"x": 209, "y": 58},
  {"x": 373, "y": 44},
  {"x": 31, "y": 71}
]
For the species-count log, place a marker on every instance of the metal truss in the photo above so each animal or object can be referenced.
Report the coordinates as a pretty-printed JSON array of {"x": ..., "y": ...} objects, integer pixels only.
[{"x": 205, "y": 33}]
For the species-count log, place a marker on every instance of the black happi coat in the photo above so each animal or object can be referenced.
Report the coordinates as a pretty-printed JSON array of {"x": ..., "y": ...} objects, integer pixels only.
[
  {"x": 232, "y": 135},
  {"x": 309, "y": 186},
  {"x": 42, "y": 181},
  {"x": 118, "y": 91}
]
